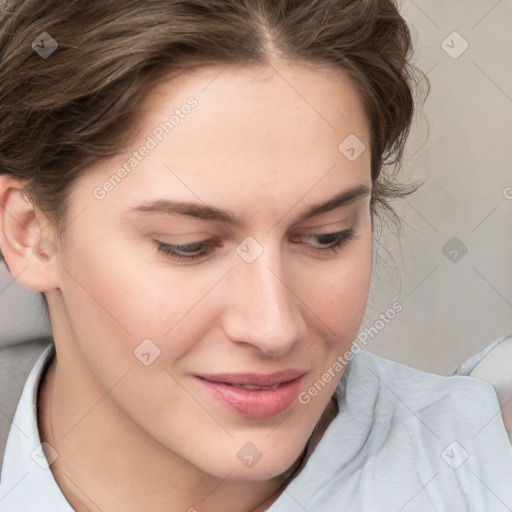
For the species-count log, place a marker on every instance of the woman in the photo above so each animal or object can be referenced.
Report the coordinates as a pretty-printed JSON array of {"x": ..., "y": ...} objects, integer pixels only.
[{"x": 193, "y": 186}]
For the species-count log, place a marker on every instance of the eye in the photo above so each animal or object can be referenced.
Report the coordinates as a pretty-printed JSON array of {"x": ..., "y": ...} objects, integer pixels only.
[
  {"x": 201, "y": 250},
  {"x": 331, "y": 241},
  {"x": 189, "y": 252}
]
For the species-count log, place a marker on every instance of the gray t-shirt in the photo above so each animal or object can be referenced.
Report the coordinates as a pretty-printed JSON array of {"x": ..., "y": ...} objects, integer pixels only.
[{"x": 403, "y": 441}]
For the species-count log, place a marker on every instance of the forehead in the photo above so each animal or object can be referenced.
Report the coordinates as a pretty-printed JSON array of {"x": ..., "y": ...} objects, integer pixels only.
[
  {"x": 227, "y": 134},
  {"x": 322, "y": 97}
]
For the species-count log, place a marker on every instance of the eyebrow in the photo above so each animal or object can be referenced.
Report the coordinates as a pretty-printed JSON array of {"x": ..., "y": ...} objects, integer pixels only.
[{"x": 212, "y": 213}]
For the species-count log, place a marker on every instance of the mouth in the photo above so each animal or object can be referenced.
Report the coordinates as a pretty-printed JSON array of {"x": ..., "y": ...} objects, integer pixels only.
[{"x": 253, "y": 395}]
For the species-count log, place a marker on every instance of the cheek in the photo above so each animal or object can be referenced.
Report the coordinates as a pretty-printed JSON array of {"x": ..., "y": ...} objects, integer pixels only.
[
  {"x": 338, "y": 295},
  {"x": 114, "y": 305},
  {"x": 339, "y": 303}
]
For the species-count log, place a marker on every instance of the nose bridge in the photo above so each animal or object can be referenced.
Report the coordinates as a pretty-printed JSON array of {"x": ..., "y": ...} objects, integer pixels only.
[{"x": 265, "y": 312}]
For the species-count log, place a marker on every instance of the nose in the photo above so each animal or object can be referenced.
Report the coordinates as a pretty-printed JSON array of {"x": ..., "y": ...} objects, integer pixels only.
[{"x": 263, "y": 309}]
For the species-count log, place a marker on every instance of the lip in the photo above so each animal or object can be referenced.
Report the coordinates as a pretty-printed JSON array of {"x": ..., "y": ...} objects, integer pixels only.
[{"x": 254, "y": 403}]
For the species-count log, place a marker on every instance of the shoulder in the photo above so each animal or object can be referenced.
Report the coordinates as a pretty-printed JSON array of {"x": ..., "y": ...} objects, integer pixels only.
[
  {"x": 432, "y": 423},
  {"x": 421, "y": 386},
  {"x": 405, "y": 438},
  {"x": 457, "y": 402}
]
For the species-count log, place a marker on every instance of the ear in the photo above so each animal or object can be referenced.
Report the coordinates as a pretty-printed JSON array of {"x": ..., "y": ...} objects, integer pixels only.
[{"x": 25, "y": 239}]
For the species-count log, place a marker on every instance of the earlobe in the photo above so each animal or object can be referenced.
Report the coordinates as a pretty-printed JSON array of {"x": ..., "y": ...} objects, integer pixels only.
[{"x": 26, "y": 247}]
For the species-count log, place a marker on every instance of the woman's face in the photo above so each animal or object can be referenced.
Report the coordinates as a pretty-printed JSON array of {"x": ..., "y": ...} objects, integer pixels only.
[{"x": 202, "y": 288}]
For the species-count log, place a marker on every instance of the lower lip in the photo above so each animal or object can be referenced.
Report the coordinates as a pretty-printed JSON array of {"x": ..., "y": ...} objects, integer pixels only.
[{"x": 254, "y": 403}]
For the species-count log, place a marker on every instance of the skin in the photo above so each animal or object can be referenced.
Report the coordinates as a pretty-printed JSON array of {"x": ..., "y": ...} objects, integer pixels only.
[{"x": 263, "y": 144}]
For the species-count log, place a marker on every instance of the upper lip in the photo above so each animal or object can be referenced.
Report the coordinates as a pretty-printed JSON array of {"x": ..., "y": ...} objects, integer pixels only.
[{"x": 254, "y": 379}]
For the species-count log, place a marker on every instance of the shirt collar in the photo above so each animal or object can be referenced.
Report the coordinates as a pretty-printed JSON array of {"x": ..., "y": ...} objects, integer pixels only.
[{"x": 27, "y": 481}]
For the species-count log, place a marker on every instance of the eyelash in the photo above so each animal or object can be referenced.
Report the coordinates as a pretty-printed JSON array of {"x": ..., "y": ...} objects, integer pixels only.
[{"x": 341, "y": 238}]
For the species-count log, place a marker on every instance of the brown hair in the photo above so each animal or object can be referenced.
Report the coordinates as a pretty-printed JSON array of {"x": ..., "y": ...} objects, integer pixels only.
[{"x": 61, "y": 114}]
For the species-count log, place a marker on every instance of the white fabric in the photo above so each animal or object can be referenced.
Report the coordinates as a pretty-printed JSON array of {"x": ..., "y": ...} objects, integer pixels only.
[
  {"x": 494, "y": 365},
  {"x": 404, "y": 440},
  {"x": 27, "y": 483}
]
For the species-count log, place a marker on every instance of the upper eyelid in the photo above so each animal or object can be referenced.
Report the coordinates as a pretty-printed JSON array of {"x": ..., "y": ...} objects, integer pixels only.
[
  {"x": 306, "y": 230},
  {"x": 211, "y": 241}
]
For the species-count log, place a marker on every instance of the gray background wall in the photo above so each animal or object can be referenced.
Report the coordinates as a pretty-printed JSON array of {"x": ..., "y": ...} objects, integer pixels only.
[{"x": 453, "y": 303}]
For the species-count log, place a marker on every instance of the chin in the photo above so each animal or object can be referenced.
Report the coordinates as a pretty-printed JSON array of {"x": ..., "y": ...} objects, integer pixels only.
[{"x": 250, "y": 464}]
